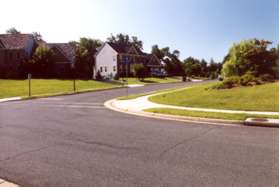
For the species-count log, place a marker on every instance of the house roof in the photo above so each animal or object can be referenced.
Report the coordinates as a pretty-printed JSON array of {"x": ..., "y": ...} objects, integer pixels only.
[
  {"x": 14, "y": 41},
  {"x": 64, "y": 52},
  {"x": 1, "y": 45},
  {"x": 124, "y": 48}
]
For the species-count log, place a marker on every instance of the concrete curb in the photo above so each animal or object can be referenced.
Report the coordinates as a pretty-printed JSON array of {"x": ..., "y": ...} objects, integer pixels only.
[
  {"x": 4, "y": 183},
  {"x": 110, "y": 105},
  {"x": 10, "y": 99}
]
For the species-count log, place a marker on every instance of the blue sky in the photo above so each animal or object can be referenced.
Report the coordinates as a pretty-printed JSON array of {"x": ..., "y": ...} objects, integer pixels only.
[{"x": 199, "y": 28}]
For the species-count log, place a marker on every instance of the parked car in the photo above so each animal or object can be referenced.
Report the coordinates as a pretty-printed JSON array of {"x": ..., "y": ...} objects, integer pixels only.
[{"x": 161, "y": 74}]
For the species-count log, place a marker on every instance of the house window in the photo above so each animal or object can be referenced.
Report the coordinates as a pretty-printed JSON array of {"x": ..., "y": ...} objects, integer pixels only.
[
  {"x": 114, "y": 68},
  {"x": 101, "y": 69},
  {"x": 114, "y": 58},
  {"x": 106, "y": 69}
]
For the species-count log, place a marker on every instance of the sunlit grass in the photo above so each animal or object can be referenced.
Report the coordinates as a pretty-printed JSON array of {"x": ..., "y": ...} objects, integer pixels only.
[
  {"x": 213, "y": 115},
  {"x": 15, "y": 88},
  {"x": 257, "y": 98}
]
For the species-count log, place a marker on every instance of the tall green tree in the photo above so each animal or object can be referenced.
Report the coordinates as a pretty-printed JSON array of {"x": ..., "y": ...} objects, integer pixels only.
[
  {"x": 171, "y": 59},
  {"x": 250, "y": 56},
  {"x": 141, "y": 71},
  {"x": 192, "y": 67},
  {"x": 41, "y": 64},
  {"x": 126, "y": 40},
  {"x": 85, "y": 51},
  {"x": 155, "y": 50}
]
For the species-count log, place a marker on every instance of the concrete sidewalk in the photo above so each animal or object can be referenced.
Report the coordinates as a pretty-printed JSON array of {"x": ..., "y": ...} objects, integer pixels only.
[
  {"x": 142, "y": 103},
  {"x": 4, "y": 183},
  {"x": 10, "y": 99}
]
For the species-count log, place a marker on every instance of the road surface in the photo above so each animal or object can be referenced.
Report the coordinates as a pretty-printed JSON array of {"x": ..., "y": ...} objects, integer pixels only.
[{"x": 75, "y": 141}]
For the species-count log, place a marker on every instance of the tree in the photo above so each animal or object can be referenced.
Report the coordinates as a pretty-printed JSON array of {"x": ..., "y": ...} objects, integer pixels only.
[
  {"x": 176, "y": 53},
  {"x": 37, "y": 36},
  {"x": 126, "y": 40},
  {"x": 171, "y": 60},
  {"x": 41, "y": 63},
  {"x": 250, "y": 56},
  {"x": 12, "y": 31},
  {"x": 204, "y": 68},
  {"x": 141, "y": 72},
  {"x": 155, "y": 50},
  {"x": 85, "y": 51},
  {"x": 192, "y": 67}
]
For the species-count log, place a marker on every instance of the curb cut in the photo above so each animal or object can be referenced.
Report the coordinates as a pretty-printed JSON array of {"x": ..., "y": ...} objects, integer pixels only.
[{"x": 109, "y": 104}]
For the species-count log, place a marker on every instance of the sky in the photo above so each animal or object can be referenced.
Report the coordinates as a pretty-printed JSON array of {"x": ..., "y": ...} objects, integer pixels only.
[{"x": 198, "y": 28}]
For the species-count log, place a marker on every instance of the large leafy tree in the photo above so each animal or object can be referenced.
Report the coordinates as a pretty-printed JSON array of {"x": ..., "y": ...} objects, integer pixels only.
[
  {"x": 192, "y": 67},
  {"x": 250, "y": 56},
  {"x": 171, "y": 60},
  {"x": 85, "y": 51},
  {"x": 140, "y": 71},
  {"x": 41, "y": 63},
  {"x": 158, "y": 52},
  {"x": 126, "y": 40}
]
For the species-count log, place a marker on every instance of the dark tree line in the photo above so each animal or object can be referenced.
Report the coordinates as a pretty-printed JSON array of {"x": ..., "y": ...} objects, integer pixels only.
[
  {"x": 189, "y": 67},
  {"x": 201, "y": 68}
]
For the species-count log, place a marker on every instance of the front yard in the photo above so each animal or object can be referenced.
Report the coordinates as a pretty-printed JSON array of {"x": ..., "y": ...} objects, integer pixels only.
[
  {"x": 44, "y": 87},
  {"x": 19, "y": 88},
  {"x": 257, "y": 98}
]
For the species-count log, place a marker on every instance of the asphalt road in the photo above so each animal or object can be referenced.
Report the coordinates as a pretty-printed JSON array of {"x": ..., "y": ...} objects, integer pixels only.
[{"x": 75, "y": 141}]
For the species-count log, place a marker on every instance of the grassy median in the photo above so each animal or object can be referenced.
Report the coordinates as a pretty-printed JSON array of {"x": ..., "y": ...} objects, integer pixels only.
[
  {"x": 257, "y": 98},
  {"x": 19, "y": 88},
  {"x": 213, "y": 115}
]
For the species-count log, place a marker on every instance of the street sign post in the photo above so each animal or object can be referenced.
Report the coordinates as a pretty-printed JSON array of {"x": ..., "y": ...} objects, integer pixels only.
[
  {"x": 74, "y": 76},
  {"x": 126, "y": 61}
]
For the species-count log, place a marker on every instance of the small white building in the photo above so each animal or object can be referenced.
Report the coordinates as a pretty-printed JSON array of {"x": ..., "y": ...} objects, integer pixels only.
[{"x": 114, "y": 59}]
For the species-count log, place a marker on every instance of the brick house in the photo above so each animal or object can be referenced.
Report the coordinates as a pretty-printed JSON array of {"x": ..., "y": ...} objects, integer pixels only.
[
  {"x": 64, "y": 59},
  {"x": 14, "y": 48}
]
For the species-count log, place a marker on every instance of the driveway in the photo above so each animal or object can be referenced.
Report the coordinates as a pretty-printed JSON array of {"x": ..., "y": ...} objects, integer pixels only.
[{"x": 75, "y": 141}]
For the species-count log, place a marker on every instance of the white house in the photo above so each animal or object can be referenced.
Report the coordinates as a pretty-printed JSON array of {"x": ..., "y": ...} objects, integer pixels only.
[{"x": 113, "y": 59}]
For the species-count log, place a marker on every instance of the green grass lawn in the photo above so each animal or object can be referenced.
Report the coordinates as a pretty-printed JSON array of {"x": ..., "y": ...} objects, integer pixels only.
[
  {"x": 14, "y": 88},
  {"x": 257, "y": 98},
  {"x": 153, "y": 80},
  {"x": 207, "y": 114}
]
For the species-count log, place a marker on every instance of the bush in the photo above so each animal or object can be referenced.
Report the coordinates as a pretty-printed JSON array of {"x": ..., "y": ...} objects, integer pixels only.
[
  {"x": 99, "y": 77},
  {"x": 116, "y": 77},
  {"x": 249, "y": 80},
  {"x": 235, "y": 81},
  {"x": 267, "y": 78},
  {"x": 140, "y": 71}
]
